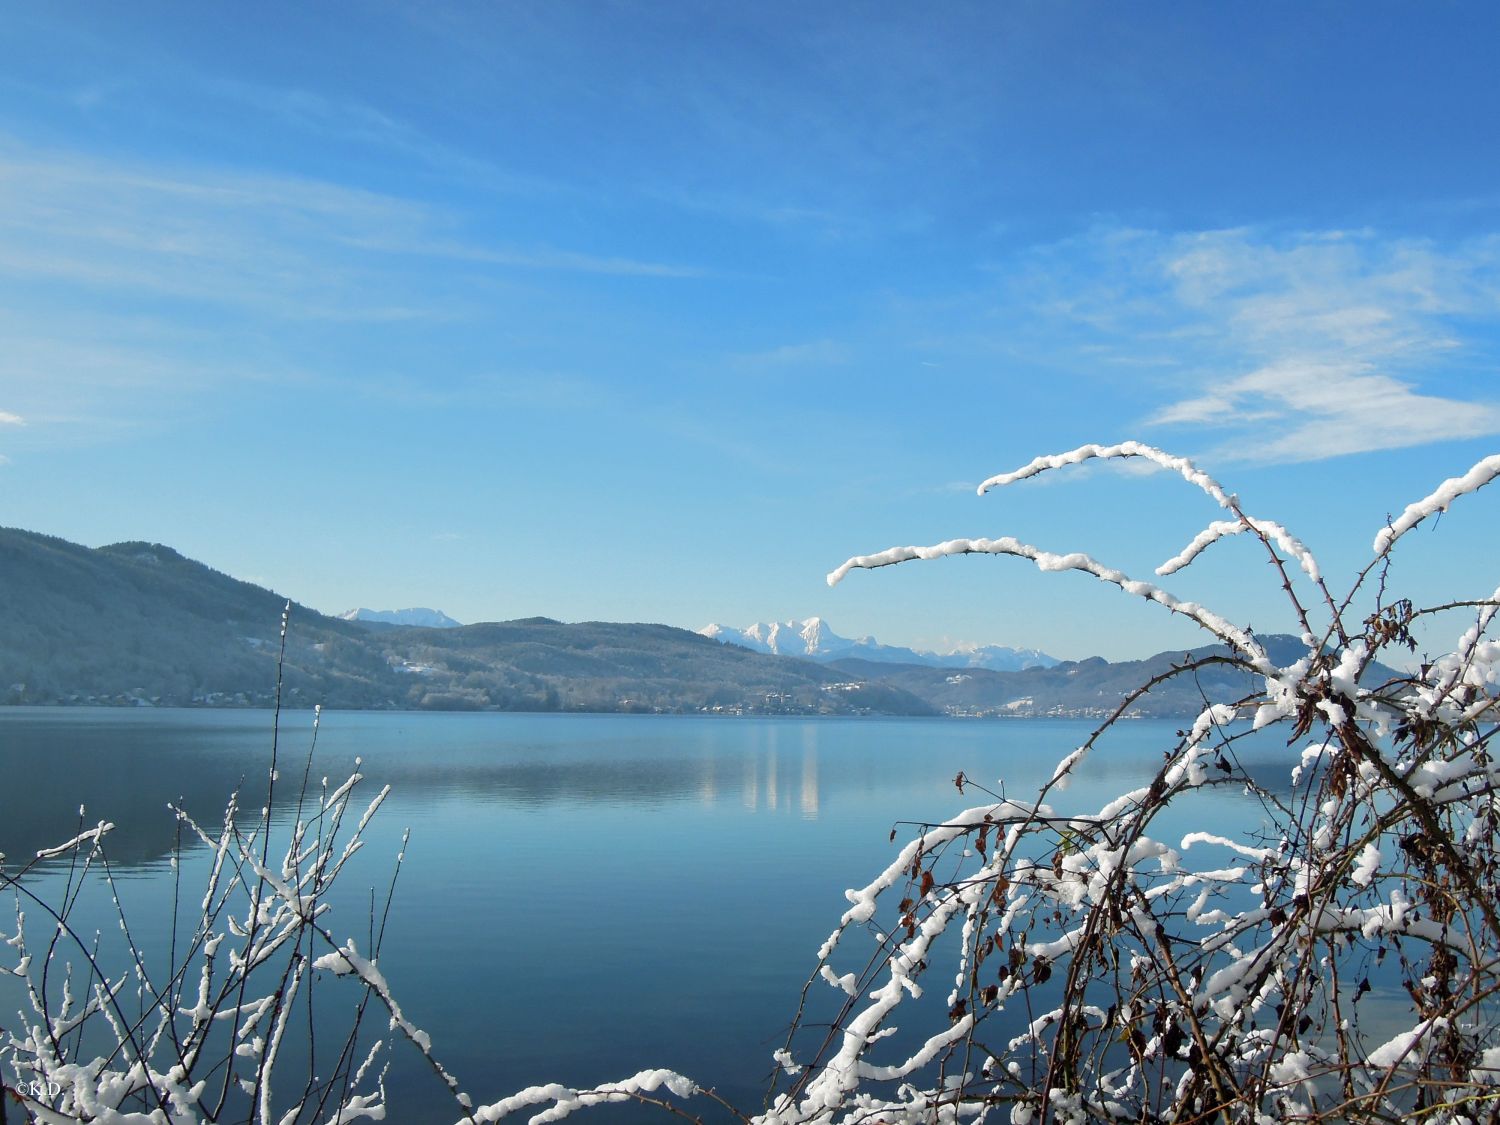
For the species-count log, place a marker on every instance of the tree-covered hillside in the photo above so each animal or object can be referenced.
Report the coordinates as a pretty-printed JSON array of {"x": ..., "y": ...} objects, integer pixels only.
[{"x": 137, "y": 623}]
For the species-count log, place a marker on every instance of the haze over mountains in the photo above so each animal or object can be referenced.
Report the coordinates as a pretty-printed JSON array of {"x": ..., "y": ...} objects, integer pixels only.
[
  {"x": 139, "y": 624},
  {"x": 813, "y": 639}
]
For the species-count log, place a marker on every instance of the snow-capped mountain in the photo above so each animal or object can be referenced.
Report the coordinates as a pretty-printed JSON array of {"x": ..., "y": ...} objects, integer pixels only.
[
  {"x": 422, "y": 618},
  {"x": 998, "y": 658},
  {"x": 813, "y": 639}
]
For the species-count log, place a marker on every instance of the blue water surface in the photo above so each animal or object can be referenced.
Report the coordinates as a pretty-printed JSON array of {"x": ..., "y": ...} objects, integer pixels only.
[{"x": 583, "y": 896}]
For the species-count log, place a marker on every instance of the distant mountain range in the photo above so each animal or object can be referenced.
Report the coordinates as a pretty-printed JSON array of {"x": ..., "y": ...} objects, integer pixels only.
[
  {"x": 139, "y": 624},
  {"x": 417, "y": 618},
  {"x": 813, "y": 639}
]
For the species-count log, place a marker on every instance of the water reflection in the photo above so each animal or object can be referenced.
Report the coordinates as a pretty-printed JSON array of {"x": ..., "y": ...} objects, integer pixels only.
[
  {"x": 777, "y": 778},
  {"x": 126, "y": 766},
  {"x": 582, "y": 895},
  {"x": 810, "y": 775}
]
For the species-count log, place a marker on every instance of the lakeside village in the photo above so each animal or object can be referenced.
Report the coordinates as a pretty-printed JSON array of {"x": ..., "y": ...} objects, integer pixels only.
[
  {"x": 768, "y": 703},
  {"x": 780, "y": 703}
]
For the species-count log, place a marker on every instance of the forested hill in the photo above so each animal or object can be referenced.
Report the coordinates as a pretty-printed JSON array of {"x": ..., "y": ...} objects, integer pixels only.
[
  {"x": 137, "y": 623},
  {"x": 138, "y": 620}
]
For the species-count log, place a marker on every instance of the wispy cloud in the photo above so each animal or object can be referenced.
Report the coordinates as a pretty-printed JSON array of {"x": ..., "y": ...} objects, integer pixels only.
[
  {"x": 264, "y": 244},
  {"x": 91, "y": 376},
  {"x": 1354, "y": 293},
  {"x": 1348, "y": 327},
  {"x": 1309, "y": 410},
  {"x": 276, "y": 245},
  {"x": 1290, "y": 347}
]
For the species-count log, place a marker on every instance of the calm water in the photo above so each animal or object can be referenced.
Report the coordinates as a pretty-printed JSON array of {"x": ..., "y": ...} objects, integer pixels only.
[{"x": 582, "y": 896}]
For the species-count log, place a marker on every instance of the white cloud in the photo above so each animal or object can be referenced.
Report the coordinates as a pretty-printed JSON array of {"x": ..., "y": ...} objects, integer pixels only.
[
  {"x": 9, "y": 419},
  {"x": 1343, "y": 329},
  {"x": 1352, "y": 293},
  {"x": 1308, "y": 410},
  {"x": 1292, "y": 347}
]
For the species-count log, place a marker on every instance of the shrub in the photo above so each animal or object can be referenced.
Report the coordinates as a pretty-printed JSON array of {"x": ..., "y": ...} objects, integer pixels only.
[
  {"x": 201, "y": 1042},
  {"x": 1100, "y": 971}
]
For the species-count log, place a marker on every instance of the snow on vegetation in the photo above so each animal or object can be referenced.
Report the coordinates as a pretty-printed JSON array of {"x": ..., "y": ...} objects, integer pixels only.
[
  {"x": 1191, "y": 976},
  {"x": 1127, "y": 962}
]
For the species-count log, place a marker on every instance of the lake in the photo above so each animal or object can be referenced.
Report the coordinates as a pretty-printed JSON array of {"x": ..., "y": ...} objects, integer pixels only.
[{"x": 583, "y": 896}]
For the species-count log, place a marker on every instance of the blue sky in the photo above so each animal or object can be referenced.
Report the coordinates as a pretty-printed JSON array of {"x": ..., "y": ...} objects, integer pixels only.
[{"x": 658, "y": 312}]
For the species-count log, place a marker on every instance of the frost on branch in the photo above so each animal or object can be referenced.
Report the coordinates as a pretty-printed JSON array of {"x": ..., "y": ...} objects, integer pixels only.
[
  {"x": 1101, "y": 967},
  {"x": 108, "y": 1040}
]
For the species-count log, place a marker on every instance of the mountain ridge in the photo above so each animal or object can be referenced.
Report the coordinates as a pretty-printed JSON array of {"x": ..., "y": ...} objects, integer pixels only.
[
  {"x": 138, "y": 623},
  {"x": 814, "y": 639},
  {"x": 419, "y": 617}
]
